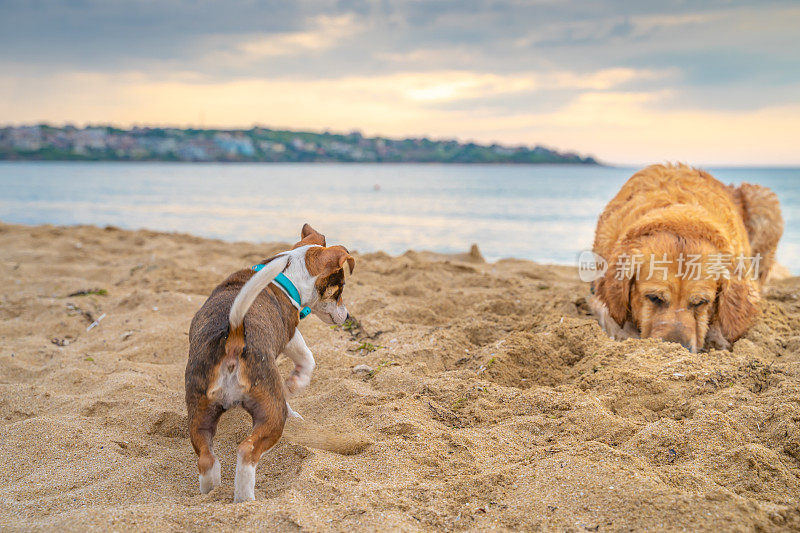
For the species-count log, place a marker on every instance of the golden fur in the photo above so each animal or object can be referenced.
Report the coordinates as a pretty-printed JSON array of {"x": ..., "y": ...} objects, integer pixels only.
[{"x": 665, "y": 214}]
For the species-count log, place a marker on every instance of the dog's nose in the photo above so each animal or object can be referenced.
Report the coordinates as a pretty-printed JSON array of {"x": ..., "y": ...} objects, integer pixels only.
[{"x": 677, "y": 336}]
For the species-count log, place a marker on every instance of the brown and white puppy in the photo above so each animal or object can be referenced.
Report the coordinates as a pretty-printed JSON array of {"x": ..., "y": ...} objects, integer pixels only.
[
  {"x": 234, "y": 340},
  {"x": 695, "y": 283}
]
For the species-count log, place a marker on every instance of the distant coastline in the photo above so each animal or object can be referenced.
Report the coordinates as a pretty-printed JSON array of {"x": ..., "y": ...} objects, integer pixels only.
[{"x": 43, "y": 142}]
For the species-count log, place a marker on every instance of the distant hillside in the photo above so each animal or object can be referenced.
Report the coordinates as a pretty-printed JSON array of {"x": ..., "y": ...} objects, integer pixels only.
[{"x": 106, "y": 143}]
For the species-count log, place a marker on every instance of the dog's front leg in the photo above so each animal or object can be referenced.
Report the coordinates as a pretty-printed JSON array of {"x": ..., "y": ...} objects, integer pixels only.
[
  {"x": 715, "y": 339},
  {"x": 609, "y": 325},
  {"x": 304, "y": 363}
]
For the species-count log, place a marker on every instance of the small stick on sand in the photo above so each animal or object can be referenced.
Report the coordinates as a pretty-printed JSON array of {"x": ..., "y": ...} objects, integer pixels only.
[{"x": 96, "y": 322}]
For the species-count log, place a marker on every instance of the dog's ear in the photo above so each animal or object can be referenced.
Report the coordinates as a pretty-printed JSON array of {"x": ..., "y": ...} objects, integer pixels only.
[
  {"x": 614, "y": 290},
  {"x": 347, "y": 263},
  {"x": 309, "y": 235},
  {"x": 324, "y": 261},
  {"x": 737, "y": 307}
]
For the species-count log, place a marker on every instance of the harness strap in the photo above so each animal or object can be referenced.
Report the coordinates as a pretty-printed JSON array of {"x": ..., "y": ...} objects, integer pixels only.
[{"x": 286, "y": 285}]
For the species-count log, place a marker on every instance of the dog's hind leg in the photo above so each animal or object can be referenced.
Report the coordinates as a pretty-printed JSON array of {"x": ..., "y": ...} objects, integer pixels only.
[
  {"x": 761, "y": 212},
  {"x": 202, "y": 427},
  {"x": 269, "y": 416}
]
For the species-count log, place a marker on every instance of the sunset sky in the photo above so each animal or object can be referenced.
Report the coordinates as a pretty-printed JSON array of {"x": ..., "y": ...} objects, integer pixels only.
[{"x": 715, "y": 82}]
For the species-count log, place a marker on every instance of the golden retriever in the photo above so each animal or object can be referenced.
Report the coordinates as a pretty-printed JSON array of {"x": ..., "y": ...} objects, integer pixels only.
[{"x": 686, "y": 257}]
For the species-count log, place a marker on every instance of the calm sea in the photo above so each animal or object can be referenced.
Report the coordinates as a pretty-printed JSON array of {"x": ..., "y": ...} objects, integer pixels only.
[{"x": 544, "y": 213}]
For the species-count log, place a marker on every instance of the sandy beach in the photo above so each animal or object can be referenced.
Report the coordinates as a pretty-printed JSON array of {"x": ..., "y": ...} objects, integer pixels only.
[{"x": 471, "y": 395}]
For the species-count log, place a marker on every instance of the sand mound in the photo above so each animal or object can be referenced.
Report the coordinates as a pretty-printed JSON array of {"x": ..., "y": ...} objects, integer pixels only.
[{"x": 469, "y": 396}]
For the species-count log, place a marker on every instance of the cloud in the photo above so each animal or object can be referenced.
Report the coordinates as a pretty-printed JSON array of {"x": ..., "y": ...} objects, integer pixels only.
[
  {"x": 582, "y": 75},
  {"x": 619, "y": 126},
  {"x": 447, "y": 86},
  {"x": 326, "y": 32},
  {"x": 422, "y": 91}
]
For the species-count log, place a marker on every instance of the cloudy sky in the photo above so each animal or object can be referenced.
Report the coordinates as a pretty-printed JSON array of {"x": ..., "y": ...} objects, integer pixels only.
[{"x": 707, "y": 82}]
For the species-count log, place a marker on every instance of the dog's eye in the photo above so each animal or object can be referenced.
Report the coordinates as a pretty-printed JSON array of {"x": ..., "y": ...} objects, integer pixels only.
[
  {"x": 657, "y": 300},
  {"x": 699, "y": 303}
]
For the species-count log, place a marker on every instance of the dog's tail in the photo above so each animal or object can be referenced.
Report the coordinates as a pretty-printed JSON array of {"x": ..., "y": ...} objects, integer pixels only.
[{"x": 234, "y": 346}]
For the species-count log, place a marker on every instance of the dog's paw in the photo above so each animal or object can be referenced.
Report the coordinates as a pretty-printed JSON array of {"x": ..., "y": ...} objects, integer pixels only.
[
  {"x": 297, "y": 381},
  {"x": 292, "y": 413},
  {"x": 211, "y": 479},
  {"x": 716, "y": 340},
  {"x": 245, "y": 482}
]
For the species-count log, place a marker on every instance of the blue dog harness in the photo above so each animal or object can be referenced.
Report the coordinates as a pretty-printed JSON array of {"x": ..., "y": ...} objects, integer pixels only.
[{"x": 291, "y": 291}]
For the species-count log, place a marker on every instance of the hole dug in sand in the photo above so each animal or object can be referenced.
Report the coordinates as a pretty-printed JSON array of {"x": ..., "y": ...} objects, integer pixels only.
[{"x": 552, "y": 356}]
